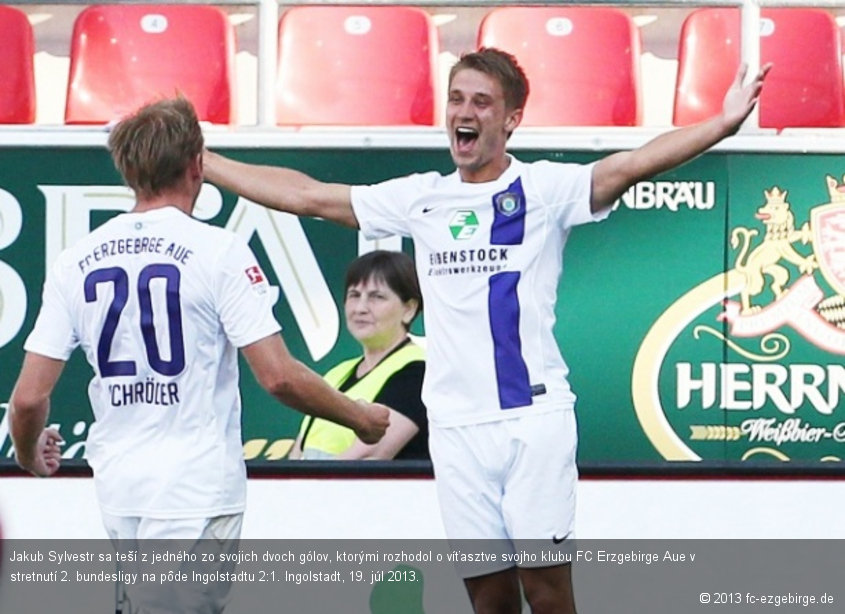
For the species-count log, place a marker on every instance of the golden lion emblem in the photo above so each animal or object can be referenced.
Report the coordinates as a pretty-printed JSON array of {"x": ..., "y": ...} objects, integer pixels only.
[{"x": 765, "y": 259}]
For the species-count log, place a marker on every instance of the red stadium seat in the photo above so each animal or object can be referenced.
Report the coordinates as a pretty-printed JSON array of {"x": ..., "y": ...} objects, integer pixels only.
[
  {"x": 123, "y": 56},
  {"x": 17, "y": 94},
  {"x": 582, "y": 63},
  {"x": 356, "y": 65},
  {"x": 803, "y": 89}
]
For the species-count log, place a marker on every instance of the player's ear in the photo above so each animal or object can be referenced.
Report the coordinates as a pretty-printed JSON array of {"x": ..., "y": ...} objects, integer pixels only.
[
  {"x": 512, "y": 120},
  {"x": 196, "y": 166}
]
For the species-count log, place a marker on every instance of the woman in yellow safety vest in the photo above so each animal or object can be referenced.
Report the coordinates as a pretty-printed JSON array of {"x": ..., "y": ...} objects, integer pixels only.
[{"x": 382, "y": 298}]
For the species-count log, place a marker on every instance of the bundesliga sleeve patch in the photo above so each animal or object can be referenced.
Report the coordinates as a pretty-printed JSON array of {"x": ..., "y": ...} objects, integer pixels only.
[
  {"x": 256, "y": 279},
  {"x": 254, "y": 275}
]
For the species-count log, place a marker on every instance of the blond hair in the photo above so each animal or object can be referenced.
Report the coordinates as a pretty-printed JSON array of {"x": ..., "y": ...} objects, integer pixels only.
[{"x": 152, "y": 147}]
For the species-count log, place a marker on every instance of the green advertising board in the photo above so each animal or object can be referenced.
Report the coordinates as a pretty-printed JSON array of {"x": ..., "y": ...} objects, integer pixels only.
[{"x": 704, "y": 321}]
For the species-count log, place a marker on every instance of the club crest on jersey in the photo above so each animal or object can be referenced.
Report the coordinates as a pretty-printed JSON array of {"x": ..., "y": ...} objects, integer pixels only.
[
  {"x": 254, "y": 275},
  {"x": 507, "y": 203}
]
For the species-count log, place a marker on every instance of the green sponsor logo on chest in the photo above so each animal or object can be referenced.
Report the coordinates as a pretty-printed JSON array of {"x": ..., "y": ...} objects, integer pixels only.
[{"x": 463, "y": 224}]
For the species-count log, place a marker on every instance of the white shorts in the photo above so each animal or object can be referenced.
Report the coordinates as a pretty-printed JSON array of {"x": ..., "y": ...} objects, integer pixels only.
[
  {"x": 511, "y": 482},
  {"x": 186, "y": 537}
]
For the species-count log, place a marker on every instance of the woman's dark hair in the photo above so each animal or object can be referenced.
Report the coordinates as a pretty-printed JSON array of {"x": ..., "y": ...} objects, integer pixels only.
[{"x": 396, "y": 269}]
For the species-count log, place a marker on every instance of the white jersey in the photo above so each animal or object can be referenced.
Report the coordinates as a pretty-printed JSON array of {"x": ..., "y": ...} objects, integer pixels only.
[
  {"x": 159, "y": 302},
  {"x": 489, "y": 257}
]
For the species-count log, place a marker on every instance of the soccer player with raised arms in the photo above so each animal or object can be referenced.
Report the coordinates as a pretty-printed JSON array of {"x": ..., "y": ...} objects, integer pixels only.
[{"x": 488, "y": 242}]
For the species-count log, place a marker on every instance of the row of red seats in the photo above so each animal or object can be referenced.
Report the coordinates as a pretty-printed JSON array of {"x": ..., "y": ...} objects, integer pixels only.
[{"x": 376, "y": 65}]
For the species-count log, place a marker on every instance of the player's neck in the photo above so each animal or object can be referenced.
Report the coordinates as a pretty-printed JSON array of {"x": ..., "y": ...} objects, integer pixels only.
[
  {"x": 490, "y": 171},
  {"x": 181, "y": 201}
]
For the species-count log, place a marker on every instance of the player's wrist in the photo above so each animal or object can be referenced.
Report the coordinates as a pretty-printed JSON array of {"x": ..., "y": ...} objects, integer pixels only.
[
  {"x": 726, "y": 126},
  {"x": 25, "y": 461},
  {"x": 360, "y": 415}
]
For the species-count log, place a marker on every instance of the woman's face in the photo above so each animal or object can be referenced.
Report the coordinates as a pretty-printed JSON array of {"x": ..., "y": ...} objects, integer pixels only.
[{"x": 375, "y": 315}]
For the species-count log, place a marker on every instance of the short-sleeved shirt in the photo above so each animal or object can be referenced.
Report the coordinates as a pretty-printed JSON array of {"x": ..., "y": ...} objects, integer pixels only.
[
  {"x": 489, "y": 257},
  {"x": 159, "y": 303},
  {"x": 402, "y": 392}
]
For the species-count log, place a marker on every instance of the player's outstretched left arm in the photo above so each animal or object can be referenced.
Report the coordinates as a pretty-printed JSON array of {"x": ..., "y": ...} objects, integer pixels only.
[
  {"x": 37, "y": 449},
  {"x": 617, "y": 172}
]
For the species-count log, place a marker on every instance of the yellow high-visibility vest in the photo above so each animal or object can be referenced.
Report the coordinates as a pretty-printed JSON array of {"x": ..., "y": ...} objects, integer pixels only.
[{"x": 326, "y": 439}]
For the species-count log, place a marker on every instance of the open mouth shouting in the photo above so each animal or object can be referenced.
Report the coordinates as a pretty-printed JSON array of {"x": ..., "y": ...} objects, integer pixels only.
[{"x": 465, "y": 139}]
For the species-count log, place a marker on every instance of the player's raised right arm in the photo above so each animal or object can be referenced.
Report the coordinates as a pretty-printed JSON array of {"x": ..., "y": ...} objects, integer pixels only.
[{"x": 280, "y": 188}]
